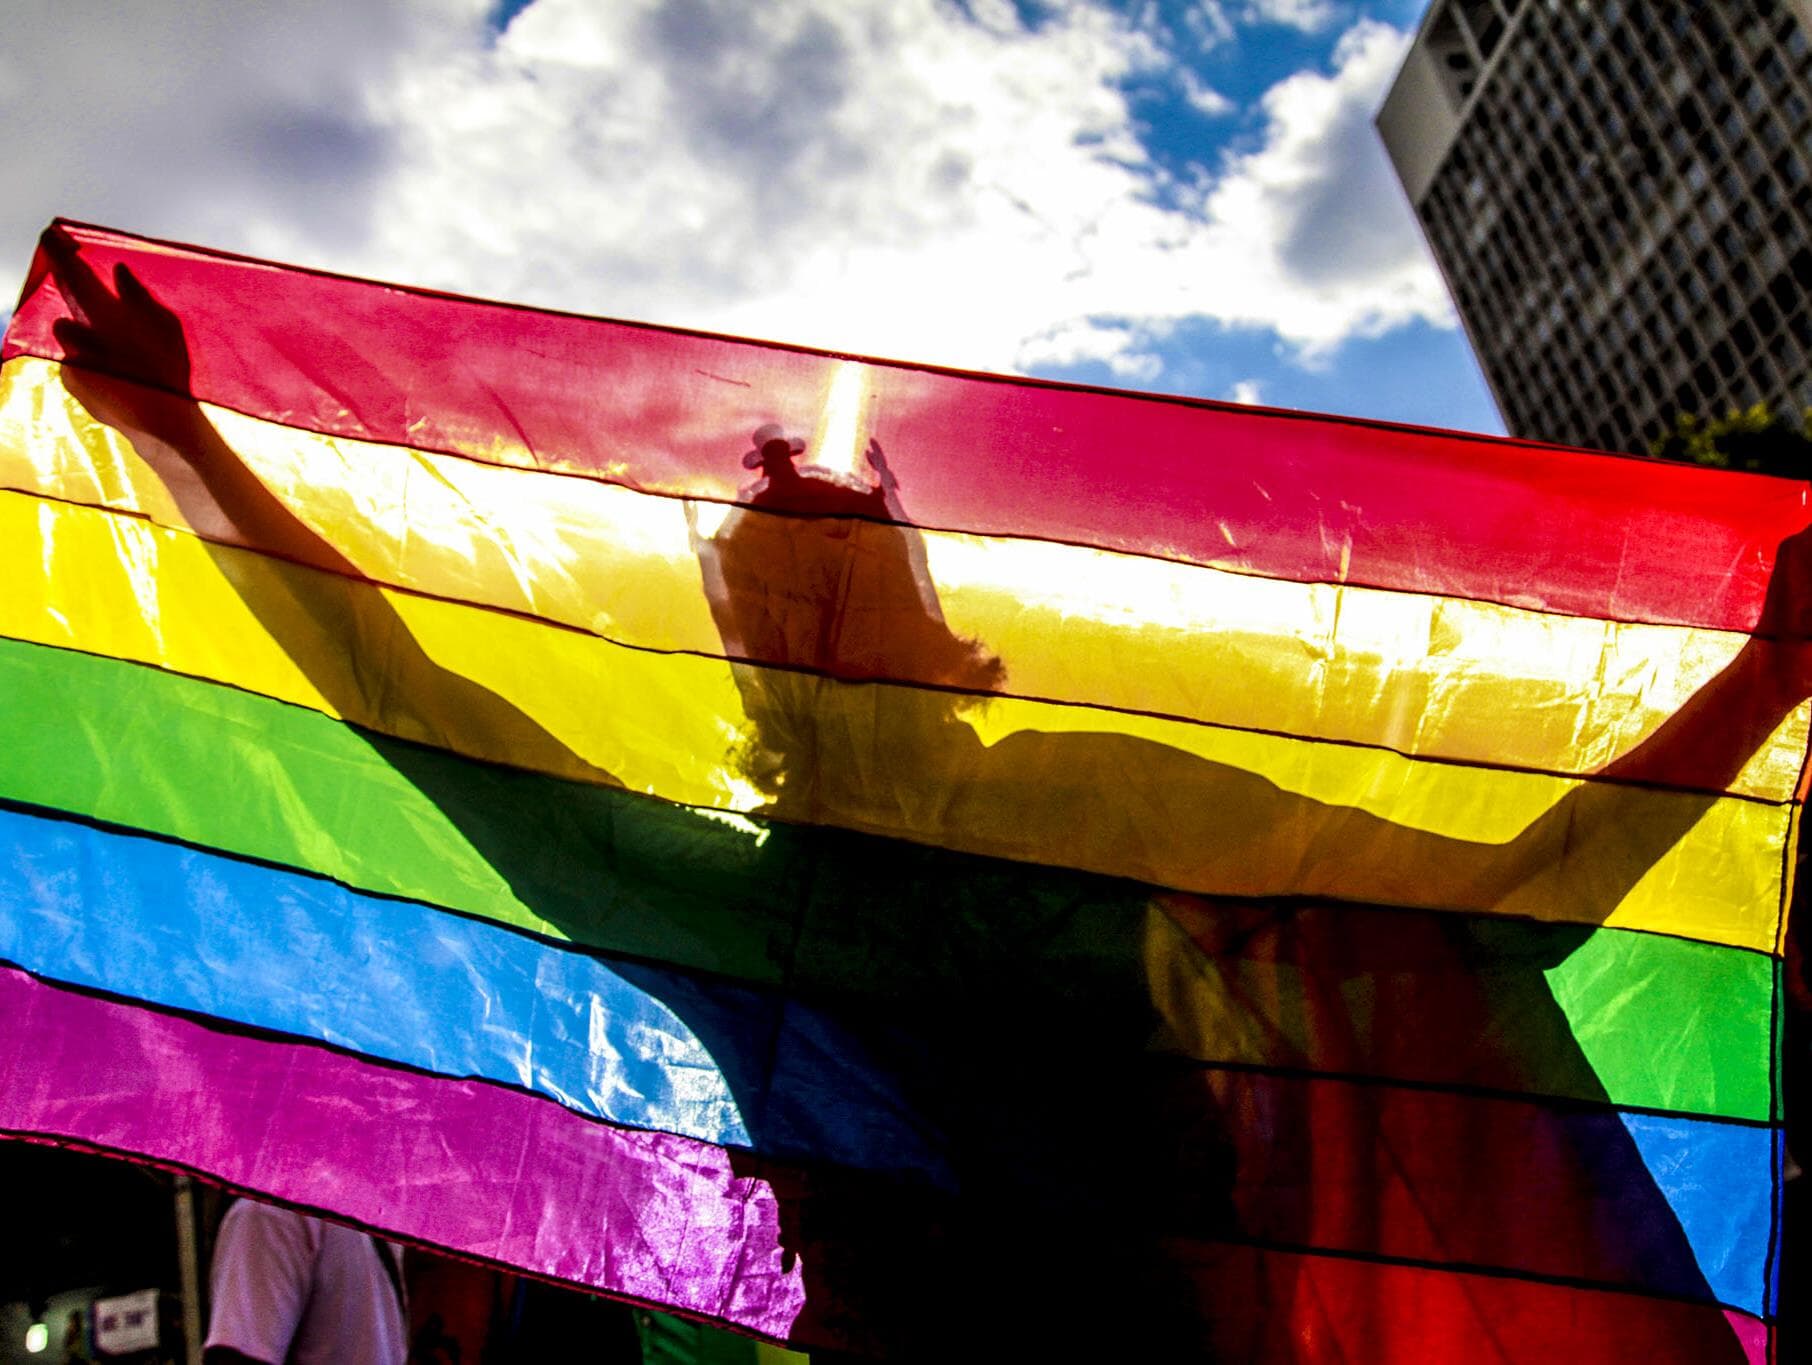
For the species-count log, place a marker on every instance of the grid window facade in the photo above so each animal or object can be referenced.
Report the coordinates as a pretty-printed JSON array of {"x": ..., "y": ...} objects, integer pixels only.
[{"x": 1625, "y": 212}]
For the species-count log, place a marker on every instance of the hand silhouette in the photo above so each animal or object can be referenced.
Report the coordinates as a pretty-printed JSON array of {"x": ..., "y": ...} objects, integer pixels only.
[
  {"x": 878, "y": 459},
  {"x": 889, "y": 482},
  {"x": 127, "y": 333},
  {"x": 124, "y": 330}
]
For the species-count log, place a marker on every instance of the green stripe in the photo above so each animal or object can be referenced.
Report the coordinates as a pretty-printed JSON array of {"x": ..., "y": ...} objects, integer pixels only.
[{"x": 1637, "y": 1019}]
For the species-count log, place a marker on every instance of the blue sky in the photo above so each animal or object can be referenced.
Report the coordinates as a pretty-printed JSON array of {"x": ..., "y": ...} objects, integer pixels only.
[
  {"x": 1177, "y": 195},
  {"x": 1415, "y": 371}
]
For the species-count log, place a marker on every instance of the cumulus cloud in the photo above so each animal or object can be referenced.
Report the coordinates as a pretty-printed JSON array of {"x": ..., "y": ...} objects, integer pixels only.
[
  {"x": 208, "y": 117},
  {"x": 1318, "y": 206},
  {"x": 900, "y": 177},
  {"x": 1244, "y": 391}
]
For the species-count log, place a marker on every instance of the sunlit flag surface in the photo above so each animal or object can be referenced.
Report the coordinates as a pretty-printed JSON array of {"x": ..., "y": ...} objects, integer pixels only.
[{"x": 891, "y": 860}]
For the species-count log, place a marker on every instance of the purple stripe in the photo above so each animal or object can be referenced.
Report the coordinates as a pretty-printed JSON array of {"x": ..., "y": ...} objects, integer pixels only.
[{"x": 457, "y": 1164}]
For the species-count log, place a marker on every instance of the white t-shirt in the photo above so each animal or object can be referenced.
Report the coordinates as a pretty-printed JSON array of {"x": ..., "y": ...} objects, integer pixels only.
[{"x": 288, "y": 1289}]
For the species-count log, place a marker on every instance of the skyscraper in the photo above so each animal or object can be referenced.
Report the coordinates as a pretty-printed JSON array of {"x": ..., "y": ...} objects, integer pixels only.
[{"x": 1620, "y": 195}]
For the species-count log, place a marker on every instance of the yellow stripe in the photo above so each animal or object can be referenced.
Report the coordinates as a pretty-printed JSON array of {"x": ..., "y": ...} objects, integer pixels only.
[
  {"x": 1221, "y": 812},
  {"x": 1421, "y": 674}
]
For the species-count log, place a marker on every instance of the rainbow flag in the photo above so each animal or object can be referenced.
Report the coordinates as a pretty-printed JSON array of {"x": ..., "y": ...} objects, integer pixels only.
[{"x": 890, "y": 860}]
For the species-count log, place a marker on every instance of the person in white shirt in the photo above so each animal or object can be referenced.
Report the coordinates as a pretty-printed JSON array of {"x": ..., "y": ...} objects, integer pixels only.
[{"x": 288, "y": 1289}]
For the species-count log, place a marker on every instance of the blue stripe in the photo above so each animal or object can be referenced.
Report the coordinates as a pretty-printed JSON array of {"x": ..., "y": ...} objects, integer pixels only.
[
  {"x": 1726, "y": 1219},
  {"x": 639, "y": 1046},
  {"x": 659, "y": 1048}
]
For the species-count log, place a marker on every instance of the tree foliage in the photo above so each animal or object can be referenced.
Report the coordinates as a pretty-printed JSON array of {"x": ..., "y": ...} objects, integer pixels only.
[{"x": 1756, "y": 439}]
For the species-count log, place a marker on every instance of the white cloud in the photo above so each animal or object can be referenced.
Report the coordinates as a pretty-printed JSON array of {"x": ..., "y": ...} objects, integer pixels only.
[
  {"x": 886, "y": 176},
  {"x": 1243, "y": 391},
  {"x": 1208, "y": 23},
  {"x": 1081, "y": 340},
  {"x": 207, "y": 117},
  {"x": 1202, "y": 97},
  {"x": 1316, "y": 215},
  {"x": 1310, "y": 16}
]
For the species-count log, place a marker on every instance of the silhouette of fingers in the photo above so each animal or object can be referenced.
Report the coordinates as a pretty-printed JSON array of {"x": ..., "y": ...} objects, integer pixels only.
[
  {"x": 78, "y": 341},
  {"x": 91, "y": 301},
  {"x": 124, "y": 329},
  {"x": 877, "y": 459}
]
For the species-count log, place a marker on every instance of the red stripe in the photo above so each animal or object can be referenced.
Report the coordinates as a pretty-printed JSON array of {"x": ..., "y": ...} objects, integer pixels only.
[
  {"x": 1312, "y": 1310},
  {"x": 1408, "y": 1175},
  {"x": 818, "y": 1256},
  {"x": 1303, "y": 498}
]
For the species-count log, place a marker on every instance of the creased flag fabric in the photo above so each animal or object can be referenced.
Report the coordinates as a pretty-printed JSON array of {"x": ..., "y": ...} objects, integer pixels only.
[{"x": 976, "y": 864}]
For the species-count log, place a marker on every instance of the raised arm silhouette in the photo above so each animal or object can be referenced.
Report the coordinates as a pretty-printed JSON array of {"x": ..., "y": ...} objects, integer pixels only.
[
  {"x": 1080, "y": 1148},
  {"x": 351, "y": 648},
  {"x": 817, "y": 578}
]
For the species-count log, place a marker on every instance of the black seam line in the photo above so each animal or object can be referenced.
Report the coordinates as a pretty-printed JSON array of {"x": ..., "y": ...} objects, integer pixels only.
[
  {"x": 1282, "y": 901},
  {"x": 577, "y": 947},
  {"x": 503, "y": 765},
  {"x": 70, "y": 1142},
  {"x": 101, "y": 823},
  {"x": 910, "y": 684},
  {"x": 1159, "y": 556},
  {"x": 786, "y": 992},
  {"x": 1776, "y": 1102},
  {"x": 1495, "y": 1272},
  {"x": 238, "y": 1028},
  {"x": 1544, "y": 1100},
  {"x": 216, "y": 1024},
  {"x": 917, "y": 367},
  {"x": 1776, "y": 1149},
  {"x": 808, "y": 1165},
  {"x": 1256, "y": 1244},
  {"x": 1776, "y": 1108}
]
